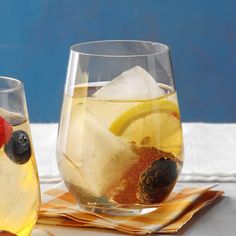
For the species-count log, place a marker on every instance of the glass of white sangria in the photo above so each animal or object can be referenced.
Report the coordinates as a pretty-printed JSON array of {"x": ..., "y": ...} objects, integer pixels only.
[
  {"x": 120, "y": 146},
  {"x": 19, "y": 184}
]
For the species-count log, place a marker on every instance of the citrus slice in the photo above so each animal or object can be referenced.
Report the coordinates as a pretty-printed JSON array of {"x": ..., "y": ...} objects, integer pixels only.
[
  {"x": 152, "y": 123},
  {"x": 153, "y": 128}
]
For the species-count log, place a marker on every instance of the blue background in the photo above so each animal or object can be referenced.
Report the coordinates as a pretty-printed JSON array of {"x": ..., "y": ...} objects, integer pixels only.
[{"x": 35, "y": 37}]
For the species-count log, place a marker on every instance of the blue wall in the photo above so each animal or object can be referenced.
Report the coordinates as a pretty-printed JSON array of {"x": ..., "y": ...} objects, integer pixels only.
[{"x": 35, "y": 36}]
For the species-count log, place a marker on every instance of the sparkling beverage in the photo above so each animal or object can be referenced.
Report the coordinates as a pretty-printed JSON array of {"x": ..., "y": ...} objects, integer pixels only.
[{"x": 119, "y": 152}]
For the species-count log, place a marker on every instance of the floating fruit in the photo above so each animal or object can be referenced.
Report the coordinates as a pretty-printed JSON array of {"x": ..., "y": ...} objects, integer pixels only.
[
  {"x": 18, "y": 149},
  {"x": 133, "y": 189},
  {"x": 156, "y": 181},
  {"x": 152, "y": 123},
  {"x": 5, "y": 131}
]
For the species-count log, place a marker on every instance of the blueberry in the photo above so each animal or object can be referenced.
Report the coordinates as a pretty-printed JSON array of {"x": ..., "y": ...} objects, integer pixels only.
[{"x": 18, "y": 148}]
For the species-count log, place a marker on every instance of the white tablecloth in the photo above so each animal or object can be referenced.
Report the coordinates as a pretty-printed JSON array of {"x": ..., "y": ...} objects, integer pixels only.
[{"x": 210, "y": 152}]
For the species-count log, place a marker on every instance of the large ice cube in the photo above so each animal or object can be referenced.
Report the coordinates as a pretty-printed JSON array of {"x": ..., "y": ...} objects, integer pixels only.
[
  {"x": 98, "y": 157},
  {"x": 135, "y": 83}
]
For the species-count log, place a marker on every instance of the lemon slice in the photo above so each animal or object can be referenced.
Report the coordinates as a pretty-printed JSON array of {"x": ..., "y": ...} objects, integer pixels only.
[{"x": 153, "y": 123}]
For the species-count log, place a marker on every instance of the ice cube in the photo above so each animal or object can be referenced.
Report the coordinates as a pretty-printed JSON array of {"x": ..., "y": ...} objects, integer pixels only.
[
  {"x": 99, "y": 158},
  {"x": 135, "y": 83},
  {"x": 12, "y": 117}
]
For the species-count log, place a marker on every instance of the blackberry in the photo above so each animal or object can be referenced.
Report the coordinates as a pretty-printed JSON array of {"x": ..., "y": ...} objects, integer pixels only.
[
  {"x": 157, "y": 181},
  {"x": 18, "y": 148}
]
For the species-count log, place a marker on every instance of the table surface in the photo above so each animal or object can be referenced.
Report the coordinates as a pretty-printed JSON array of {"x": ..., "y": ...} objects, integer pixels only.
[{"x": 218, "y": 219}]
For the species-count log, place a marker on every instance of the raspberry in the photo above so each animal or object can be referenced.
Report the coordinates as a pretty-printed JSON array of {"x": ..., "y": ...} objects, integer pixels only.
[{"x": 5, "y": 131}]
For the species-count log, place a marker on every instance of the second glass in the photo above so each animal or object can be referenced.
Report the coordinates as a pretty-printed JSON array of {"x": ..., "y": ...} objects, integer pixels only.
[
  {"x": 120, "y": 147},
  {"x": 19, "y": 184}
]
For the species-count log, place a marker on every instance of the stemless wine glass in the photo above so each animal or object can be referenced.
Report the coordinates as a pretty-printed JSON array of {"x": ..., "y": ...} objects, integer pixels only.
[
  {"x": 19, "y": 185},
  {"x": 120, "y": 147}
]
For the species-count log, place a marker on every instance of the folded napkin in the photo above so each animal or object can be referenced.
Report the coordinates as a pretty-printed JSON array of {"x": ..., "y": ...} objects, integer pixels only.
[
  {"x": 210, "y": 152},
  {"x": 59, "y": 208}
]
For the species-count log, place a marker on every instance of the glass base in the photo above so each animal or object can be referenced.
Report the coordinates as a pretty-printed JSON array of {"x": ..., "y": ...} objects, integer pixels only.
[
  {"x": 102, "y": 205},
  {"x": 118, "y": 211}
]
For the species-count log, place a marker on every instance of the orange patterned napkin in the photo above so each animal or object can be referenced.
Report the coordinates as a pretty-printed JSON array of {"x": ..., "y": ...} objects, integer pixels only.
[{"x": 59, "y": 208}]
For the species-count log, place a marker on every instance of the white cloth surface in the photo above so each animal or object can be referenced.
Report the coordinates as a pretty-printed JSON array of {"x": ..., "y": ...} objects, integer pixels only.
[
  {"x": 44, "y": 139},
  {"x": 210, "y": 152}
]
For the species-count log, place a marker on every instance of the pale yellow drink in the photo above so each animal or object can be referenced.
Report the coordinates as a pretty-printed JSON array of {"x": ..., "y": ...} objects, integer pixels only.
[
  {"x": 108, "y": 148},
  {"x": 20, "y": 195}
]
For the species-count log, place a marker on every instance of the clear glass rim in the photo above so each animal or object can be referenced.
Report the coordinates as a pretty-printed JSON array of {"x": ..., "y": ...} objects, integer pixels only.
[
  {"x": 16, "y": 84},
  {"x": 75, "y": 48}
]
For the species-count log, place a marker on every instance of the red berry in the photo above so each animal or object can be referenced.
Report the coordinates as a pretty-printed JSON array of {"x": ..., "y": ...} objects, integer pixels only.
[{"x": 5, "y": 131}]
